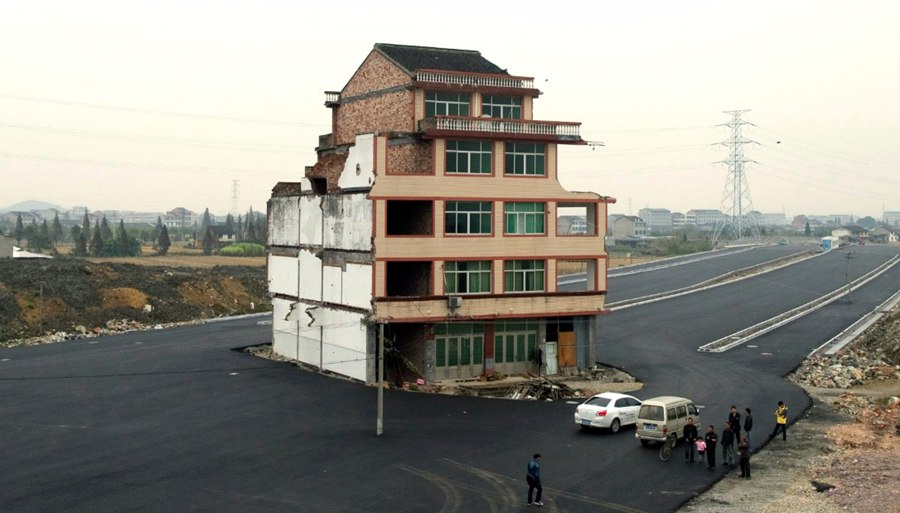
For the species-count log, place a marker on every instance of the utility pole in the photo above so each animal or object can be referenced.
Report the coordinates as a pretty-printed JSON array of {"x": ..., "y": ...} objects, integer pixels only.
[
  {"x": 379, "y": 423},
  {"x": 847, "y": 259},
  {"x": 234, "y": 198},
  {"x": 736, "y": 203}
]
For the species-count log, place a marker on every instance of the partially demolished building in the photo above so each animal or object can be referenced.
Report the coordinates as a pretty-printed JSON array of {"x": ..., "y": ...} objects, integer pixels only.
[{"x": 433, "y": 209}]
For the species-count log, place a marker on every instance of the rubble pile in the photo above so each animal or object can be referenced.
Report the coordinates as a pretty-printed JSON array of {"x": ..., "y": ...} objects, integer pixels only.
[
  {"x": 845, "y": 369},
  {"x": 81, "y": 332},
  {"x": 543, "y": 390},
  {"x": 873, "y": 413}
]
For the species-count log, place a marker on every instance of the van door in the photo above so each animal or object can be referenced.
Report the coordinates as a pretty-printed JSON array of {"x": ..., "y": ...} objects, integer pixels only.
[{"x": 681, "y": 413}]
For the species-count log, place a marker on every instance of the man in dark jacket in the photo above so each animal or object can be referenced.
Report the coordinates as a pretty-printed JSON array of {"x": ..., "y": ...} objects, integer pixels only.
[
  {"x": 690, "y": 436},
  {"x": 748, "y": 426},
  {"x": 728, "y": 445},
  {"x": 711, "y": 440},
  {"x": 534, "y": 480},
  {"x": 734, "y": 418}
]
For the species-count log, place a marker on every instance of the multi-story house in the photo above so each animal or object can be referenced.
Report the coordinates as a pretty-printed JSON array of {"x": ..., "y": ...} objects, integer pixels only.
[
  {"x": 658, "y": 219},
  {"x": 704, "y": 217},
  {"x": 621, "y": 226},
  {"x": 432, "y": 213}
]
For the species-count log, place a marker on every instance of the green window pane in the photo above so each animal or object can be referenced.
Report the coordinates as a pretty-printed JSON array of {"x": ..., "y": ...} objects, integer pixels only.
[
  {"x": 478, "y": 350},
  {"x": 498, "y": 348},
  {"x": 520, "y": 348},
  {"x": 532, "y": 345},
  {"x": 465, "y": 355},
  {"x": 440, "y": 353},
  {"x": 510, "y": 348},
  {"x": 453, "y": 354}
]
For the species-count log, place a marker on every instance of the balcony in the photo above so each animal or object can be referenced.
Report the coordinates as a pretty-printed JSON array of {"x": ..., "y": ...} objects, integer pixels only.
[
  {"x": 565, "y": 132},
  {"x": 474, "y": 80},
  {"x": 332, "y": 98}
]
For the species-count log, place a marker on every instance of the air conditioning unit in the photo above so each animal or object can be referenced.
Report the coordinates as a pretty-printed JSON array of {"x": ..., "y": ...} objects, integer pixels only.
[{"x": 454, "y": 301}]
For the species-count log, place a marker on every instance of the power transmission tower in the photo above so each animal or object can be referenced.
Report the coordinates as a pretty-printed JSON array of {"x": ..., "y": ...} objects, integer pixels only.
[
  {"x": 736, "y": 203},
  {"x": 234, "y": 199}
]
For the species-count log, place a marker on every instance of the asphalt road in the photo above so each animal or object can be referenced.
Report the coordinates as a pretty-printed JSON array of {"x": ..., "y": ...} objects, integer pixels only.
[{"x": 175, "y": 420}]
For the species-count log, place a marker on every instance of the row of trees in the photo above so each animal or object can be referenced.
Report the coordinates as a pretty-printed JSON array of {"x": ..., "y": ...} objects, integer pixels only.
[{"x": 100, "y": 241}]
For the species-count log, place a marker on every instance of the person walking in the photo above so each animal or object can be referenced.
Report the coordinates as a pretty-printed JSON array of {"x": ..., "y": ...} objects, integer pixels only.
[
  {"x": 744, "y": 451},
  {"x": 690, "y": 437},
  {"x": 780, "y": 421},
  {"x": 534, "y": 480},
  {"x": 711, "y": 440},
  {"x": 728, "y": 445},
  {"x": 734, "y": 418},
  {"x": 748, "y": 427}
]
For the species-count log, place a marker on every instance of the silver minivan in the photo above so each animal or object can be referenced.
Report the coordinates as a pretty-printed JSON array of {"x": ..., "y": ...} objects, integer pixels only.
[{"x": 664, "y": 416}]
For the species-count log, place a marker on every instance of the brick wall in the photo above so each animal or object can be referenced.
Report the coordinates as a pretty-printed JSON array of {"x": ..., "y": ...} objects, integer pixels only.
[
  {"x": 411, "y": 159},
  {"x": 329, "y": 166},
  {"x": 392, "y": 112},
  {"x": 374, "y": 74}
]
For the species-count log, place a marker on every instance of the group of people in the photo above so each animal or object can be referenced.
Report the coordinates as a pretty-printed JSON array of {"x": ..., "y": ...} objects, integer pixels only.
[{"x": 734, "y": 430}]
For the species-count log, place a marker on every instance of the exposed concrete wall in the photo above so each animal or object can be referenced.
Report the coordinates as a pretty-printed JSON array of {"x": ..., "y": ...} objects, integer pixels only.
[
  {"x": 348, "y": 222},
  {"x": 284, "y": 221},
  {"x": 359, "y": 168},
  {"x": 310, "y": 221},
  {"x": 282, "y": 274},
  {"x": 351, "y": 286},
  {"x": 310, "y": 276}
]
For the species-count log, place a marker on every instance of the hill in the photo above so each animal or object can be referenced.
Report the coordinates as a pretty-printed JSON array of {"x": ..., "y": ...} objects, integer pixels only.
[{"x": 28, "y": 206}]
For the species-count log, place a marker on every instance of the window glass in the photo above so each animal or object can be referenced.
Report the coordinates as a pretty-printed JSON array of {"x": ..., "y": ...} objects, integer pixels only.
[
  {"x": 670, "y": 413},
  {"x": 453, "y": 355},
  {"x": 467, "y": 277},
  {"x": 446, "y": 104},
  {"x": 523, "y": 276},
  {"x": 682, "y": 412},
  {"x": 467, "y": 217},
  {"x": 498, "y": 348},
  {"x": 524, "y": 218},
  {"x": 524, "y": 159},
  {"x": 497, "y": 106},
  {"x": 651, "y": 412},
  {"x": 440, "y": 350},
  {"x": 597, "y": 401},
  {"x": 468, "y": 157}
]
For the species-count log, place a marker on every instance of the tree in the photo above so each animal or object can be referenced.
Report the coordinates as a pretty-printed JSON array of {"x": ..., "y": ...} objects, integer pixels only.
[
  {"x": 239, "y": 231},
  {"x": 229, "y": 224},
  {"x": 86, "y": 226},
  {"x": 157, "y": 231},
  {"x": 806, "y": 230},
  {"x": 208, "y": 242},
  {"x": 163, "y": 243},
  {"x": 19, "y": 232},
  {"x": 123, "y": 246},
  {"x": 56, "y": 233},
  {"x": 867, "y": 222},
  {"x": 96, "y": 244},
  {"x": 105, "y": 231},
  {"x": 80, "y": 241},
  {"x": 206, "y": 221}
]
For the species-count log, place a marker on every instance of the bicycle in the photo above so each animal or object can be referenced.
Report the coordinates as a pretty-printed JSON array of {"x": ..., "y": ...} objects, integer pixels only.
[{"x": 665, "y": 450}]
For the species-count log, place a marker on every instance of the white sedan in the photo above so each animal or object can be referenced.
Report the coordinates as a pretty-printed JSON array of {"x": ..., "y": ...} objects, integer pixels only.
[{"x": 607, "y": 410}]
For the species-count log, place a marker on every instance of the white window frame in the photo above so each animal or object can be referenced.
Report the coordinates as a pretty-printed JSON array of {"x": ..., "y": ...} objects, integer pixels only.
[
  {"x": 471, "y": 156},
  {"x": 452, "y": 207},
  {"x": 452, "y": 273},
  {"x": 525, "y": 161},
  {"x": 518, "y": 269}
]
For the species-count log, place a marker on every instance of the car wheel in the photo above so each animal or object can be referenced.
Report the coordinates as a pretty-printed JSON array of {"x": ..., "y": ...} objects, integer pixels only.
[
  {"x": 645, "y": 443},
  {"x": 614, "y": 427}
]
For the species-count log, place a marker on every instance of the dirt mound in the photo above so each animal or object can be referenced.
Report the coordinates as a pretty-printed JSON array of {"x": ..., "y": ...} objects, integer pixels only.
[{"x": 38, "y": 296}]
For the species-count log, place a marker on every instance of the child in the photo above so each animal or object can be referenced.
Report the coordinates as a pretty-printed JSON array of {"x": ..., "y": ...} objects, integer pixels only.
[{"x": 701, "y": 446}]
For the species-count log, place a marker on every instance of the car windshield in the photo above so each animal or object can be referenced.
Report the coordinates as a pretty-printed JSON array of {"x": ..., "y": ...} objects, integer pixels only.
[
  {"x": 598, "y": 401},
  {"x": 651, "y": 412}
]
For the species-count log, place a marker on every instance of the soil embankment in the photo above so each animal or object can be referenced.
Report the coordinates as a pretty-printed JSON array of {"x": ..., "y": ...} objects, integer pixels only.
[{"x": 74, "y": 295}]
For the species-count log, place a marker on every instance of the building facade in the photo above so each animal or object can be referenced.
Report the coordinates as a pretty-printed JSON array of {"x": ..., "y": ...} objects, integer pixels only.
[
  {"x": 621, "y": 226},
  {"x": 658, "y": 220},
  {"x": 432, "y": 213}
]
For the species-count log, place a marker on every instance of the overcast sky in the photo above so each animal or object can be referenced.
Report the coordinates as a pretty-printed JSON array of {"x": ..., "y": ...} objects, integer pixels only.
[{"x": 151, "y": 105}]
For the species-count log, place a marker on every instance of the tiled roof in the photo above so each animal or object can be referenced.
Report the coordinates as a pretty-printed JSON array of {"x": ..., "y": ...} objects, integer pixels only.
[{"x": 412, "y": 58}]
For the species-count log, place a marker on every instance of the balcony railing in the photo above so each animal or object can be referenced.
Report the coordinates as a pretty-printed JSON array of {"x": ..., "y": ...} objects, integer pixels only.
[
  {"x": 474, "y": 79},
  {"x": 553, "y": 129},
  {"x": 332, "y": 97}
]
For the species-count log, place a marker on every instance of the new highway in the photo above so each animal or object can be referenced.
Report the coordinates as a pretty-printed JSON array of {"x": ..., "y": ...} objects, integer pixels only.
[{"x": 176, "y": 420}]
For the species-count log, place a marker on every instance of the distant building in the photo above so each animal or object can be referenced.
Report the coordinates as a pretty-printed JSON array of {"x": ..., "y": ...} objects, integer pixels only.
[
  {"x": 180, "y": 218},
  {"x": 775, "y": 219},
  {"x": 622, "y": 226},
  {"x": 657, "y": 219},
  {"x": 851, "y": 233},
  {"x": 678, "y": 220},
  {"x": 891, "y": 219},
  {"x": 704, "y": 217}
]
